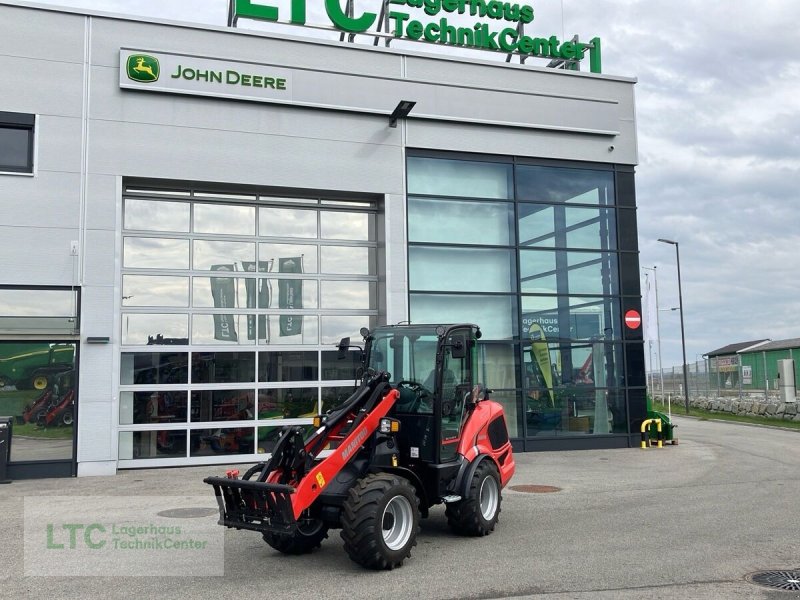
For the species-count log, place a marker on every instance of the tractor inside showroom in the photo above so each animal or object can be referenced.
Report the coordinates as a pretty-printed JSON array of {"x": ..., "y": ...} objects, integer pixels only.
[{"x": 418, "y": 431}]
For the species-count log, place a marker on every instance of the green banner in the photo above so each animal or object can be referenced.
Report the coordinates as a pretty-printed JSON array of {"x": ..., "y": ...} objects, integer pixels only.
[
  {"x": 540, "y": 355},
  {"x": 223, "y": 291},
  {"x": 258, "y": 296},
  {"x": 290, "y": 295}
]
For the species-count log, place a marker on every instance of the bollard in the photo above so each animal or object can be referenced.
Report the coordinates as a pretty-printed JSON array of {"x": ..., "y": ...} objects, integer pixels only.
[
  {"x": 645, "y": 435},
  {"x": 5, "y": 447}
]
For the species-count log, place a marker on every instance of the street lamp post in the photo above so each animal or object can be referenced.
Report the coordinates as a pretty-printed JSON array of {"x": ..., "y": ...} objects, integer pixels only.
[{"x": 680, "y": 309}]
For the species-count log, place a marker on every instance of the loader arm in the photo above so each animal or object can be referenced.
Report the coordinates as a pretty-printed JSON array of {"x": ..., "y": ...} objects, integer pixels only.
[{"x": 293, "y": 478}]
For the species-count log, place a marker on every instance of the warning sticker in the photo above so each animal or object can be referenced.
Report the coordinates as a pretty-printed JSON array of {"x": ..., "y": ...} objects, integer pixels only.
[{"x": 320, "y": 480}]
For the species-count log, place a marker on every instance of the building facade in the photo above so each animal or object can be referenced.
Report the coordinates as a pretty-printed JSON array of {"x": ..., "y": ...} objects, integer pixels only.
[{"x": 193, "y": 216}]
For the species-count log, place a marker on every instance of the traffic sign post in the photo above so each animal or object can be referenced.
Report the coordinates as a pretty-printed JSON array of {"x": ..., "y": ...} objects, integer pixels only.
[{"x": 633, "y": 320}]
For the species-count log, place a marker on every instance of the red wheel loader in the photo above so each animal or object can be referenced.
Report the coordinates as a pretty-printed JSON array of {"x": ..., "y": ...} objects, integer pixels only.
[{"x": 418, "y": 431}]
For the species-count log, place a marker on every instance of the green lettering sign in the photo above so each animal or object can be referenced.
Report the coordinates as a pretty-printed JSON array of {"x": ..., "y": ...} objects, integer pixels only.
[{"x": 479, "y": 36}]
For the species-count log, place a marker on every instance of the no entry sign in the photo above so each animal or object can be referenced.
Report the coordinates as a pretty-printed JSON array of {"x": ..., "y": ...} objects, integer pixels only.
[{"x": 633, "y": 319}]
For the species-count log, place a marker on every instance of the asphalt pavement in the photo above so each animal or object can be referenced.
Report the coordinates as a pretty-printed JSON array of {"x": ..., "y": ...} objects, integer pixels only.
[{"x": 685, "y": 521}]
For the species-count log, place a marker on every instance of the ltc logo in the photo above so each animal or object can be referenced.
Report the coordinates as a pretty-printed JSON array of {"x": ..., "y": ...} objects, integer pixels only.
[{"x": 143, "y": 68}]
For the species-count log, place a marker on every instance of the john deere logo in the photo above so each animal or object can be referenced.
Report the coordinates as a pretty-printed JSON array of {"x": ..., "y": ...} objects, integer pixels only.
[{"x": 142, "y": 67}]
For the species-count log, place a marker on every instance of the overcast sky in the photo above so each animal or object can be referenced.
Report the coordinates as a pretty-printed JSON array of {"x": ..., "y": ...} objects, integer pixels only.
[{"x": 718, "y": 113}]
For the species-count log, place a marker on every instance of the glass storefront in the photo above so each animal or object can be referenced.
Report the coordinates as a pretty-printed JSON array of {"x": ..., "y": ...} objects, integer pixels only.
[
  {"x": 230, "y": 310},
  {"x": 530, "y": 253}
]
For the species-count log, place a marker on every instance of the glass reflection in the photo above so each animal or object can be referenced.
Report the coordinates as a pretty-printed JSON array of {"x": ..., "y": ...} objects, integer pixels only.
[
  {"x": 154, "y": 368},
  {"x": 224, "y": 329},
  {"x": 287, "y": 403},
  {"x": 557, "y": 185},
  {"x": 351, "y": 295},
  {"x": 156, "y": 215},
  {"x": 37, "y": 389},
  {"x": 456, "y": 222},
  {"x": 494, "y": 314},
  {"x": 289, "y": 258},
  {"x": 567, "y": 226},
  {"x": 222, "y": 256},
  {"x": 561, "y": 272},
  {"x": 580, "y": 318},
  {"x": 336, "y": 328},
  {"x": 347, "y": 225},
  {"x": 223, "y": 367},
  {"x": 163, "y": 443},
  {"x": 461, "y": 269},
  {"x": 348, "y": 260},
  {"x": 231, "y": 440},
  {"x": 154, "y": 329},
  {"x": 222, "y": 405},
  {"x": 287, "y": 366},
  {"x": 155, "y": 253},
  {"x": 465, "y": 179},
  {"x": 334, "y": 368},
  {"x": 287, "y": 222},
  {"x": 147, "y": 290},
  {"x": 152, "y": 407},
  {"x": 246, "y": 329},
  {"x": 224, "y": 218}
]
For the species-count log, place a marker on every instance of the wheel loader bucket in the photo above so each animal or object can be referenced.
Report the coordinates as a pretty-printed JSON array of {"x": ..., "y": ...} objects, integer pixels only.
[{"x": 254, "y": 505}]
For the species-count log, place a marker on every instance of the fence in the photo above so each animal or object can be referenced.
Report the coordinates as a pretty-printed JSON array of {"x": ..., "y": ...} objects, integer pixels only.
[{"x": 707, "y": 382}]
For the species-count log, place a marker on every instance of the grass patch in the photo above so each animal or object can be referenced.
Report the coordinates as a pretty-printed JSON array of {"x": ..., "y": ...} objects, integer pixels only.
[
  {"x": 705, "y": 415},
  {"x": 50, "y": 433}
]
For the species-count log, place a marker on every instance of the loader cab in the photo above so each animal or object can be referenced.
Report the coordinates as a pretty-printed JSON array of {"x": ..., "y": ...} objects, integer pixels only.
[{"x": 432, "y": 368}]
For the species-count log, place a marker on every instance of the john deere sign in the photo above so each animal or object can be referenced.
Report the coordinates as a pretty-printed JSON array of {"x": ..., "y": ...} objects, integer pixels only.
[
  {"x": 434, "y": 25},
  {"x": 142, "y": 67},
  {"x": 180, "y": 74}
]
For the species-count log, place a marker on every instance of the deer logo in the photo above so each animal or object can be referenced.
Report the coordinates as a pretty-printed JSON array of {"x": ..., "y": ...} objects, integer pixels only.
[{"x": 143, "y": 68}]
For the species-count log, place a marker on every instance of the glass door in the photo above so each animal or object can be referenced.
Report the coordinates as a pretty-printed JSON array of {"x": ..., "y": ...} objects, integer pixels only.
[{"x": 38, "y": 387}]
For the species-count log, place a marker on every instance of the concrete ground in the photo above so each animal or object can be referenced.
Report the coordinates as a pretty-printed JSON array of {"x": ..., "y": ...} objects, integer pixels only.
[{"x": 686, "y": 521}]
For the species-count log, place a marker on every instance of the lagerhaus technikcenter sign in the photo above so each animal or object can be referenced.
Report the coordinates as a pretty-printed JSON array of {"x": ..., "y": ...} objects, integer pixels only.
[{"x": 441, "y": 22}]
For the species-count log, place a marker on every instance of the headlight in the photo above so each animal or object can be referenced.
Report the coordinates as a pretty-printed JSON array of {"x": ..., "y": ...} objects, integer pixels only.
[{"x": 388, "y": 425}]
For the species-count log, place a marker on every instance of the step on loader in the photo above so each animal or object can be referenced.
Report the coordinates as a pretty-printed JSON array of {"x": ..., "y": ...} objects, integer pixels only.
[{"x": 418, "y": 431}]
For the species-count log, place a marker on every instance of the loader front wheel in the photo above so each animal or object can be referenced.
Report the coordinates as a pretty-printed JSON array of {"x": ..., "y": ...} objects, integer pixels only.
[
  {"x": 380, "y": 521},
  {"x": 478, "y": 513},
  {"x": 306, "y": 538}
]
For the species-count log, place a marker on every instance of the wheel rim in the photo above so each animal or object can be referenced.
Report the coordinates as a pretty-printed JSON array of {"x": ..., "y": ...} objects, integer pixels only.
[
  {"x": 398, "y": 522},
  {"x": 67, "y": 418},
  {"x": 489, "y": 495},
  {"x": 40, "y": 382}
]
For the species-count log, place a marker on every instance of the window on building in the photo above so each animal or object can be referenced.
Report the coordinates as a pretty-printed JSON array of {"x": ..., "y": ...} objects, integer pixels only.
[
  {"x": 528, "y": 252},
  {"x": 16, "y": 142}
]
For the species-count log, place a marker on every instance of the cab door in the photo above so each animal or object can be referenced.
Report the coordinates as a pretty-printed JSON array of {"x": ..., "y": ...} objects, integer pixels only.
[{"x": 454, "y": 389}]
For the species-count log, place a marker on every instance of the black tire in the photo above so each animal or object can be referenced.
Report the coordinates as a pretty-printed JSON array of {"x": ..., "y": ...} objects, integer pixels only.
[
  {"x": 41, "y": 418},
  {"x": 380, "y": 521},
  {"x": 478, "y": 513},
  {"x": 3, "y": 381},
  {"x": 309, "y": 535},
  {"x": 66, "y": 418}
]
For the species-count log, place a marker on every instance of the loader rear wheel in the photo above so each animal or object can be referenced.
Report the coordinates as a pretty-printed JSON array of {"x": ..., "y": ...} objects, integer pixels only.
[
  {"x": 306, "y": 538},
  {"x": 380, "y": 521},
  {"x": 478, "y": 513}
]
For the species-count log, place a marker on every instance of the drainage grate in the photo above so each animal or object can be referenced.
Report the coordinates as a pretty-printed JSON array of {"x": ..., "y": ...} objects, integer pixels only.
[
  {"x": 535, "y": 489},
  {"x": 781, "y": 580},
  {"x": 188, "y": 513}
]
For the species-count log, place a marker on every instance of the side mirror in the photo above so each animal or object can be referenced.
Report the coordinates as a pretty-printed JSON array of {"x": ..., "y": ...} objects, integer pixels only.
[
  {"x": 458, "y": 348},
  {"x": 344, "y": 344}
]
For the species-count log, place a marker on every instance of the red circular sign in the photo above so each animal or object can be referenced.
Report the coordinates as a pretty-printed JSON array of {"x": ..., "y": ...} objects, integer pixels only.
[{"x": 633, "y": 319}]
